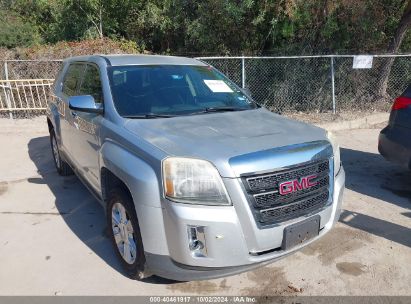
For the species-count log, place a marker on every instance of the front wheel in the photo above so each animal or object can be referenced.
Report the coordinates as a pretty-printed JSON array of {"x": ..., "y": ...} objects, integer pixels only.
[
  {"x": 62, "y": 167},
  {"x": 124, "y": 232}
]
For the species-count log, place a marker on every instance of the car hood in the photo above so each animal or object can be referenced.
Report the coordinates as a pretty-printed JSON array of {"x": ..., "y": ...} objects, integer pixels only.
[{"x": 226, "y": 137}]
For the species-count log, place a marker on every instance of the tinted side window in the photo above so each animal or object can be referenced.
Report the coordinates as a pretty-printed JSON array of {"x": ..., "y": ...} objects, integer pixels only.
[
  {"x": 72, "y": 79},
  {"x": 91, "y": 84}
]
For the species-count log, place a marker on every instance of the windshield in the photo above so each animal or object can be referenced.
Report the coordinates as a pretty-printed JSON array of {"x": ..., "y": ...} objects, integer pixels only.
[{"x": 173, "y": 90}]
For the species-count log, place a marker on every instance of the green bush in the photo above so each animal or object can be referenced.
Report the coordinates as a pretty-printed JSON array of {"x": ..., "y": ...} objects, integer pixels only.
[{"x": 14, "y": 32}]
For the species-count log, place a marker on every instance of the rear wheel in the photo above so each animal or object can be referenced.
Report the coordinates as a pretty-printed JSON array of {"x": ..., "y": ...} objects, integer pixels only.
[
  {"x": 62, "y": 167},
  {"x": 125, "y": 234}
]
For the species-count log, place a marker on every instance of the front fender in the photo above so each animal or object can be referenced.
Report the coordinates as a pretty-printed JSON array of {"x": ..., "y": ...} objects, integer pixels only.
[
  {"x": 140, "y": 178},
  {"x": 143, "y": 183}
]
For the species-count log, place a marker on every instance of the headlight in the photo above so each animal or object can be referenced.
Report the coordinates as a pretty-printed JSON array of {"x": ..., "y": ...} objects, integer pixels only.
[
  {"x": 336, "y": 150},
  {"x": 193, "y": 181}
]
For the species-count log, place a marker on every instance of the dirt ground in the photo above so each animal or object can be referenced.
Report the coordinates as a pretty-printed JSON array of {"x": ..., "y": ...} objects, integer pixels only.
[
  {"x": 329, "y": 117},
  {"x": 52, "y": 239}
]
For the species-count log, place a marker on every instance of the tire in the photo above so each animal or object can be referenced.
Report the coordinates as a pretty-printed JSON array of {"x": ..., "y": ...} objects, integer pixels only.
[
  {"x": 63, "y": 168},
  {"x": 124, "y": 232}
]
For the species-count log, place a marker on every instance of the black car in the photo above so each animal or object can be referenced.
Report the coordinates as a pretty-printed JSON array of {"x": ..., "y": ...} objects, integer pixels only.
[{"x": 395, "y": 139}]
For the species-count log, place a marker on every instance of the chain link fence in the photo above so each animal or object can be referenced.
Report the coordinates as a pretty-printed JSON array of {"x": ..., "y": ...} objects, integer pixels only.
[
  {"x": 317, "y": 84},
  {"x": 359, "y": 89},
  {"x": 29, "y": 69},
  {"x": 25, "y": 86},
  {"x": 304, "y": 84}
]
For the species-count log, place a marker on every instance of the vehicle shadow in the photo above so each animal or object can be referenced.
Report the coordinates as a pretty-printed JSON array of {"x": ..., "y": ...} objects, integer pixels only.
[
  {"x": 370, "y": 174},
  {"x": 378, "y": 227},
  {"x": 81, "y": 212}
]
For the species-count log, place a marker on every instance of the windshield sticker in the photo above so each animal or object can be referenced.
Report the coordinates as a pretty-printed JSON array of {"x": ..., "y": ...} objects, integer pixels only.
[{"x": 218, "y": 86}]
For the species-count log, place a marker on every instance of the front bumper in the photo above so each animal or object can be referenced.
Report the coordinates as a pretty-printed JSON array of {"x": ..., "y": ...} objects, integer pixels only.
[{"x": 233, "y": 242}]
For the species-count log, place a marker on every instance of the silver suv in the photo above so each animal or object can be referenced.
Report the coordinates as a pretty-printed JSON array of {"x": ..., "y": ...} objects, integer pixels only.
[{"x": 197, "y": 180}]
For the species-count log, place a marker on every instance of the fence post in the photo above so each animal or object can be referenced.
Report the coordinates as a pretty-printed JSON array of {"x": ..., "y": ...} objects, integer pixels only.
[
  {"x": 243, "y": 72},
  {"x": 6, "y": 93},
  {"x": 333, "y": 83}
]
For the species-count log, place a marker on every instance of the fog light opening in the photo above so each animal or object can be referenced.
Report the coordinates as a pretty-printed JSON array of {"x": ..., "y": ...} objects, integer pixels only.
[{"x": 196, "y": 241}]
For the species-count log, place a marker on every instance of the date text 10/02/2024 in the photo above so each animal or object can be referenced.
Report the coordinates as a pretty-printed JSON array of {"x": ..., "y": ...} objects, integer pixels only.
[{"x": 202, "y": 299}]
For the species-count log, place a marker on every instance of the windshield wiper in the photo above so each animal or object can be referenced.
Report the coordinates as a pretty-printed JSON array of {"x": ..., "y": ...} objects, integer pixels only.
[
  {"x": 149, "y": 115},
  {"x": 223, "y": 109},
  {"x": 218, "y": 109},
  {"x": 206, "y": 110}
]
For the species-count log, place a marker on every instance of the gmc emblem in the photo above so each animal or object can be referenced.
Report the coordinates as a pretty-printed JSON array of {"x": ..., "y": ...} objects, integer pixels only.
[{"x": 296, "y": 185}]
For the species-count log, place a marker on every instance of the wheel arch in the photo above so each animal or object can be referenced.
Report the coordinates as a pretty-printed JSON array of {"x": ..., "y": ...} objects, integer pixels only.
[
  {"x": 110, "y": 181},
  {"x": 53, "y": 123},
  {"x": 139, "y": 180},
  {"x": 121, "y": 167},
  {"x": 50, "y": 125}
]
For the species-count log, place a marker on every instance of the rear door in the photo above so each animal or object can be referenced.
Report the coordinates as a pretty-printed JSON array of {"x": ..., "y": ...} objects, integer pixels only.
[{"x": 86, "y": 136}]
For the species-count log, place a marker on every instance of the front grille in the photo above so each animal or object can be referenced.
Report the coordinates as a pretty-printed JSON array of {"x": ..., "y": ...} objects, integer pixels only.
[
  {"x": 299, "y": 207},
  {"x": 266, "y": 200},
  {"x": 269, "y": 206}
]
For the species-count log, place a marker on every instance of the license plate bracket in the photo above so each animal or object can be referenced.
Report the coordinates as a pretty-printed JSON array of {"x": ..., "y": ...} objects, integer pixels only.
[{"x": 301, "y": 232}]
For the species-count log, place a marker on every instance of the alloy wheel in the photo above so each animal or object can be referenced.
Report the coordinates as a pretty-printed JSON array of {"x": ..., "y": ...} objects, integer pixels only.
[
  {"x": 123, "y": 233},
  {"x": 56, "y": 153}
]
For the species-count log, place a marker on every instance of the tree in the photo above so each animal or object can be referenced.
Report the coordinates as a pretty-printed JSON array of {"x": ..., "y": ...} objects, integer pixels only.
[
  {"x": 235, "y": 27},
  {"x": 94, "y": 14},
  {"x": 393, "y": 48},
  {"x": 15, "y": 32}
]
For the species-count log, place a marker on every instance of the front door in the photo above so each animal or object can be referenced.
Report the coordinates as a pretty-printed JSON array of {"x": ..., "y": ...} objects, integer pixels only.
[
  {"x": 71, "y": 83},
  {"x": 85, "y": 141}
]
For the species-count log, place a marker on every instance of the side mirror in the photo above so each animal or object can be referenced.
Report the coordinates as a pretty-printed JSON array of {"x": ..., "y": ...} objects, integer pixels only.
[{"x": 85, "y": 103}]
